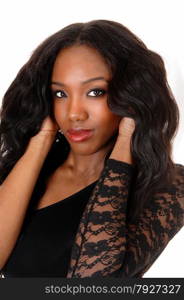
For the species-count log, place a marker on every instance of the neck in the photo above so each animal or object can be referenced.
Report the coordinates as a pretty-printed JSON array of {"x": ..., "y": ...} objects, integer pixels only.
[{"x": 88, "y": 165}]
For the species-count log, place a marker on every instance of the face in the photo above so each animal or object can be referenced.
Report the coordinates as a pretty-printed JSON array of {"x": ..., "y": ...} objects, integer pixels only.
[{"x": 79, "y": 100}]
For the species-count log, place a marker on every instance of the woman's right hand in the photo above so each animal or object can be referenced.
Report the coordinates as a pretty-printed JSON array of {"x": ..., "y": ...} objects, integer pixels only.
[
  {"x": 46, "y": 136},
  {"x": 49, "y": 127}
]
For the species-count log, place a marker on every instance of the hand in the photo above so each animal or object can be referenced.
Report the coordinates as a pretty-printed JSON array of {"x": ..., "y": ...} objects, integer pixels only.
[
  {"x": 49, "y": 124},
  {"x": 126, "y": 127},
  {"x": 122, "y": 149},
  {"x": 44, "y": 138},
  {"x": 49, "y": 127}
]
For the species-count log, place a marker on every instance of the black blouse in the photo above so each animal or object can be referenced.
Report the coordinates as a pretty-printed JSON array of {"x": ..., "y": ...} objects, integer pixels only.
[
  {"x": 106, "y": 242},
  {"x": 44, "y": 245}
]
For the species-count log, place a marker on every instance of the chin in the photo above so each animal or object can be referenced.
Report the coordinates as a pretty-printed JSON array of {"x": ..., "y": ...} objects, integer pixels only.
[
  {"x": 84, "y": 151},
  {"x": 85, "y": 148}
]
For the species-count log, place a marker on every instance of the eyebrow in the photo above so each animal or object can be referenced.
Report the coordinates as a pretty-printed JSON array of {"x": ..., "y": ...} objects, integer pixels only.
[{"x": 82, "y": 82}]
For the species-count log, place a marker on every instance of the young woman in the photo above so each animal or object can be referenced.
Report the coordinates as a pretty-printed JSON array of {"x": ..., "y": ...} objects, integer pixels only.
[{"x": 88, "y": 185}]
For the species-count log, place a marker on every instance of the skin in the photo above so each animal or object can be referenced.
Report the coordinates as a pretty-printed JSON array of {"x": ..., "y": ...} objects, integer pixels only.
[{"x": 77, "y": 105}]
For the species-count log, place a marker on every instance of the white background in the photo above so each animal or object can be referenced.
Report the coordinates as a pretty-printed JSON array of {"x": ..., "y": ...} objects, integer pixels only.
[{"x": 24, "y": 24}]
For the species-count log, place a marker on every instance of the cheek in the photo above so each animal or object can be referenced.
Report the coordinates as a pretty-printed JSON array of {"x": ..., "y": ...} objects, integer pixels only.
[
  {"x": 104, "y": 114},
  {"x": 58, "y": 112},
  {"x": 107, "y": 119},
  {"x": 55, "y": 108}
]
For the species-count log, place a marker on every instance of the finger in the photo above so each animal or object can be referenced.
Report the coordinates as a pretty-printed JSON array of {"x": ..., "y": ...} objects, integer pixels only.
[{"x": 126, "y": 126}]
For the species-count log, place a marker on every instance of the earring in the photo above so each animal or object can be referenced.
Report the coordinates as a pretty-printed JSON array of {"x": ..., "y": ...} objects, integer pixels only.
[{"x": 61, "y": 132}]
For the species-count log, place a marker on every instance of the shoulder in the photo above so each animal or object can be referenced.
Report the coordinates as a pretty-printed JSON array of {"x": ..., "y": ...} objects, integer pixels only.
[
  {"x": 176, "y": 187},
  {"x": 169, "y": 200}
]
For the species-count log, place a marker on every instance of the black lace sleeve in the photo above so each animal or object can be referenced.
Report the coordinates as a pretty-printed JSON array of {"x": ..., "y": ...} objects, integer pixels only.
[
  {"x": 156, "y": 226},
  {"x": 106, "y": 245},
  {"x": 99, "y": 246}
]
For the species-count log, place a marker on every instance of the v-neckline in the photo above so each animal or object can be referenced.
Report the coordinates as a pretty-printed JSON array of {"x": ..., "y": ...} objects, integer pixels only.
[{"x": 35, "y": 211}]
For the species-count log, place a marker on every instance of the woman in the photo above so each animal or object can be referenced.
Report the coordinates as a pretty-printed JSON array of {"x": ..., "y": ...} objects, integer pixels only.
[{"x": 88, "y": 185}]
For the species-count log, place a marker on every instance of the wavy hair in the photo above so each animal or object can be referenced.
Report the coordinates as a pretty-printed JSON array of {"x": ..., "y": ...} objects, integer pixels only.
[{"x": 138, "y": 89}]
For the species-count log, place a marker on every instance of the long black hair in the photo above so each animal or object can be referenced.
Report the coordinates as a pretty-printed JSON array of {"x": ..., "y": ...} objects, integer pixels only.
[{"x": 138, "y": 89}]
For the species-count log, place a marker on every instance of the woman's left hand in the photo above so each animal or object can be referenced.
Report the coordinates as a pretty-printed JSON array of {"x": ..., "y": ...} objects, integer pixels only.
[
  {"x": 126, "y": 127},
  {"x": 122, "y": 149}
]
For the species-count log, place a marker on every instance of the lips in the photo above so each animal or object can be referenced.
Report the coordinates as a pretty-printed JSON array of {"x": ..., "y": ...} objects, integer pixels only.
[
  {"x": 78, "y": 131},
  {"x": 77, "y": 135}
]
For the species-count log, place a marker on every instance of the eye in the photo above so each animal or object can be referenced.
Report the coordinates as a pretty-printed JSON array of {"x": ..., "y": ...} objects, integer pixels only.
[
  {"x": 57, "y": 94},
  {"x": 97, "y": 92}
]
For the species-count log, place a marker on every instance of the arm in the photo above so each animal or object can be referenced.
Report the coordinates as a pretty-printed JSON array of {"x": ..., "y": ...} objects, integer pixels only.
[
  {"x": 17, "y": 188},
  {"x": 156, "y": 226},
  {"x": 100, "y": 242},
  {"x": 106, "y": 246}
]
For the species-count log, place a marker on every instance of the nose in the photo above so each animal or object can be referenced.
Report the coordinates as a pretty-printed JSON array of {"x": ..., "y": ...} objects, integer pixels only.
[{"x": 77, "y": 111}]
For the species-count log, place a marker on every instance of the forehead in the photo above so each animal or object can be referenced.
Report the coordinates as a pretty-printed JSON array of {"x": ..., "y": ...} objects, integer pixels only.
[{"x": 82, "y": 61}]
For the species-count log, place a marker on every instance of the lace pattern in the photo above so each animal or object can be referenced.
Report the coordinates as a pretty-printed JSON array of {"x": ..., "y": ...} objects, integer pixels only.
[
  {"x": 100, "y": 241},
  {"x": 106, "y": 245}
]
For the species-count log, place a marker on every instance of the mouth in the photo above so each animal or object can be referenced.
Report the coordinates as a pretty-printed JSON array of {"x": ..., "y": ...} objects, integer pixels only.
[{"x": 79, "y": 135}]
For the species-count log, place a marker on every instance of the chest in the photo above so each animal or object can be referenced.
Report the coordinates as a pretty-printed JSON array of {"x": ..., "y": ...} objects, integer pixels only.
[{"x": 59, "y": 187}]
